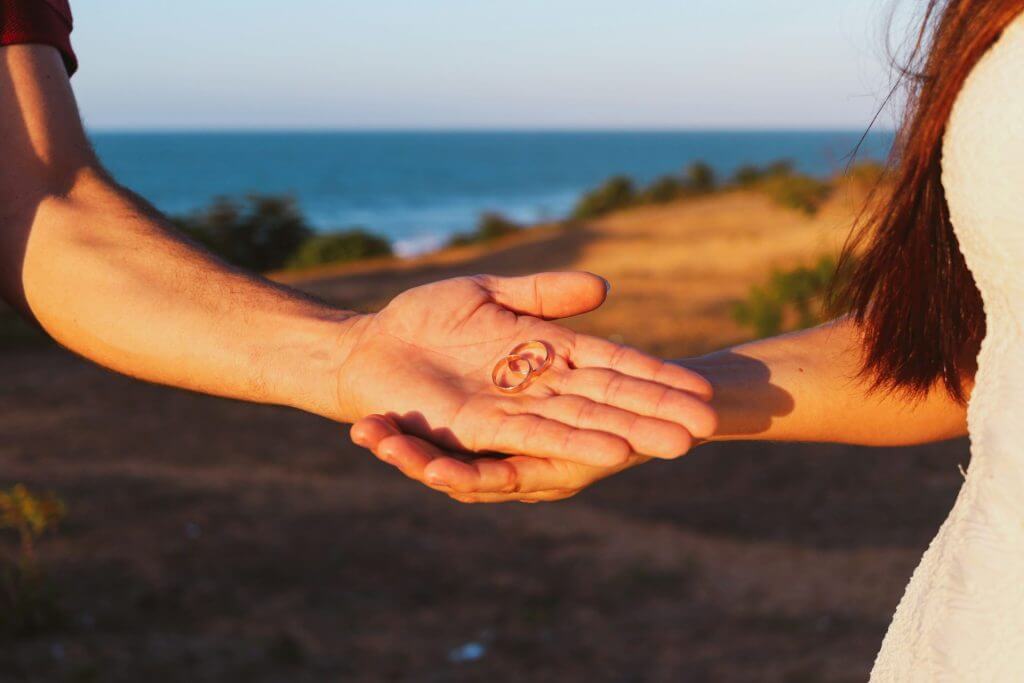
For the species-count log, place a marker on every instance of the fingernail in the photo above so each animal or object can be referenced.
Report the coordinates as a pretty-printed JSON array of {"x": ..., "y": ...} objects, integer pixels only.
[{"x": 607, "y": 286}]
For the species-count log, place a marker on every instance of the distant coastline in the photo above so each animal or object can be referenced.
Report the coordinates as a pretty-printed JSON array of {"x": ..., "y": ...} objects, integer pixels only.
[{"x": 418, "y": 188}]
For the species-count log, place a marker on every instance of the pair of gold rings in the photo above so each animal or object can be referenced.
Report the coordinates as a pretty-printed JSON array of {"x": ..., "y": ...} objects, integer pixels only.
[{"x": 518, "y": 369}]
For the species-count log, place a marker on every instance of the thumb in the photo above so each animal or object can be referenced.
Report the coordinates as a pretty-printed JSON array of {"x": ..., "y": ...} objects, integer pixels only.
[{"x": 547, "y": 295}]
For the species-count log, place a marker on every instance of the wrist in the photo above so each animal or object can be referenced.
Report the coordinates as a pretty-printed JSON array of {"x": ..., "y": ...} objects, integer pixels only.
[
  {"x": 746, "y": 398},
  {"x": 308, "y": 356}
]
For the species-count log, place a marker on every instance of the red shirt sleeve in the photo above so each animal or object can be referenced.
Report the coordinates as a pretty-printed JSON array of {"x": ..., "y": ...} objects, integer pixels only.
[{"x": 47, "y": 22}]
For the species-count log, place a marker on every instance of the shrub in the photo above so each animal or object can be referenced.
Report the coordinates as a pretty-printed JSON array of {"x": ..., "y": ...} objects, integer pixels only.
[
  {"x": 338, "y": 247},
  {"x": 790, "y": 300},
  {"x": 616, "y": 193},
  {"x": 783, "y": 184},
  {"x": 261, "y": 234},
  {"x": 797, "y": 191},
  {"x": 747, "y": 175},
  {"x": 751, "y": 174},
  {"x": 699, "y": 178},
  {"x": 490, "y": 227},
  {"x": 28, "y": 601},
  {"x": 662, "y": 190}
]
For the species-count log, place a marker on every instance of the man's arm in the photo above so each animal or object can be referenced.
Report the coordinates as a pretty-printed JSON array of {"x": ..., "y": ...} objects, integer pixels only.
[{"x": 104, "y": 275}]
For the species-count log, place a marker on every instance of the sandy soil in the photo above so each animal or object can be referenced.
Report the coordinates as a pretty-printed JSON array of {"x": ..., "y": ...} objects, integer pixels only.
[{"x": 210, "y": 541}]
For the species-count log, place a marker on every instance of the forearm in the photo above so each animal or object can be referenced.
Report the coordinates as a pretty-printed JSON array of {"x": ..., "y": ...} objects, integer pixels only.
[
  {"x": 103, "y": 274},
  {"x": 806, "y": 387},
  {"x": 105, "y": 277}
]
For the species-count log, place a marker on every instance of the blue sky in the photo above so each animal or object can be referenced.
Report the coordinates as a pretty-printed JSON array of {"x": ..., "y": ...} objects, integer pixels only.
[{"x": 480, "y": 63}]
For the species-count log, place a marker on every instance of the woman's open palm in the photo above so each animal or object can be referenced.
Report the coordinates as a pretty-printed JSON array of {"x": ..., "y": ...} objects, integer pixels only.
[{"x": 425, "y": 362}]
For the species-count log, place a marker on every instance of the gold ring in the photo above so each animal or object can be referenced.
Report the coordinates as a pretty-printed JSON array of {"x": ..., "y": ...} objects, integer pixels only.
[
  {"x": 512, "y": 363},
  {"x": 537, "y": 352}
]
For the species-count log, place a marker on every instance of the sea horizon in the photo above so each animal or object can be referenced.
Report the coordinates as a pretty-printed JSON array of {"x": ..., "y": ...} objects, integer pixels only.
[{"x": 419, "y": 186}]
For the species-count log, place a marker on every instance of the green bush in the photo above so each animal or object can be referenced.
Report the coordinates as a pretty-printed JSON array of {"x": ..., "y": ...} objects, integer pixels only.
[
  {"x": 662, "y": 190},
  {"x": 261, "y": 234},
  {"x": 800, "y": 192},
  {"x": 790, "y": 300},
  {"x": 490, "y": 227},
  {"x": 750, "y": 174},
  {"x": 616, "y": 193},
  {"x": 747, "y": 175},
  {"x": 785, "y": 185},
  {"x": 339, "y": 247},
  {"x": 697, "y": 178},
  {"x": 700, "y": 178}
]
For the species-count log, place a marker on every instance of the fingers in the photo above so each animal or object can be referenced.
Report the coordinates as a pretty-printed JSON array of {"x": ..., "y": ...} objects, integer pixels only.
[
  {"x": 642, "y": 397},
  {"x": 547, "y": 295},
  {"x": 646, "y": 435},
  {"x": 519, "y": 478},
  {"x": 369, "y": 431},
  {"x": 541, "y": 437},
  {"x": 525, "y": 434},
  {"x": 495, "y": 498},
  {"x": 540, "y": 480},
  {"x": 423, "y": 461},
  {"x": 592, "y": 352}
]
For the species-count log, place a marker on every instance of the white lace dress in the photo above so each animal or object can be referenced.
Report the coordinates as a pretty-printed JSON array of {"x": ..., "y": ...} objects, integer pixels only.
[{"x": 962, "y": 617}]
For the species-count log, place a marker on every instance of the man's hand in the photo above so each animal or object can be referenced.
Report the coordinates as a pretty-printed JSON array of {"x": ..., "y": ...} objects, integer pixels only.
[{"x": 425, "y": 361}]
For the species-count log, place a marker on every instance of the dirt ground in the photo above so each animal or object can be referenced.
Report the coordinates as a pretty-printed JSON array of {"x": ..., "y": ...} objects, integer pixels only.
[{"x": 214, "y": 541}]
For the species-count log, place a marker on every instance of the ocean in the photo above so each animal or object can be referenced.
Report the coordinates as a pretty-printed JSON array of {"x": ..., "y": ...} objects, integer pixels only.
[{"x": 417, "y": 188}]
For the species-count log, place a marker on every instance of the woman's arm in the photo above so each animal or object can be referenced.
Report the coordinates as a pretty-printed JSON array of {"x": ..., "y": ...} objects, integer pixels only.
[
  {"x": 806, "y": 386},
  {"x": 803, "y": 386}
]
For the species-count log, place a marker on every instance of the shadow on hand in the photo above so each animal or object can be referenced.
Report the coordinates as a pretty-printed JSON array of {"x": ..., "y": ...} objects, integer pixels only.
[
  {"x": 762, "y": 401},
  {"x": 415, "y": 423}
]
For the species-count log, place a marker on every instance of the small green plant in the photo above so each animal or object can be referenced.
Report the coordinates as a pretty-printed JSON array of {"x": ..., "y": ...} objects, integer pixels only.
[
  {"x": 615, "y": 193},
  {"x": 790, "y": 300},
  {"x": 28, "y": 601},
  {"x": 339, "y": 247},
  {"x": 490, "y": 227}
]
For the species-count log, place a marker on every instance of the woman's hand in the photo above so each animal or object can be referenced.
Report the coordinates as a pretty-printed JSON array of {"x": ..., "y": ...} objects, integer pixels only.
[
  {"x": 425, "y": 362},
  {"x": 518, "y": 478}
]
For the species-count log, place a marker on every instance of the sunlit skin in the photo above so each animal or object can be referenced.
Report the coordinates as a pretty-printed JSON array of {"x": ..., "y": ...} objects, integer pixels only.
[{"x": 103, "y": 274}]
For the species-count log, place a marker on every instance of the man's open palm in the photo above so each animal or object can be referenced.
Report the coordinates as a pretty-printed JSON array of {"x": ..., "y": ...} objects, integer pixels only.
[{"x": 425, "y": 362}]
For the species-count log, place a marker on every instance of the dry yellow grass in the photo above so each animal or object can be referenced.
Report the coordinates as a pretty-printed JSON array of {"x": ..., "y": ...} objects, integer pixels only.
[{"x": 675, "y": 268}]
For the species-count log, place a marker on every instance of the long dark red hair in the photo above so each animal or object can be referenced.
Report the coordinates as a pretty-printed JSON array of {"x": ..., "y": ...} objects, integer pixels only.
[{"x": 910, "y": 290}]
